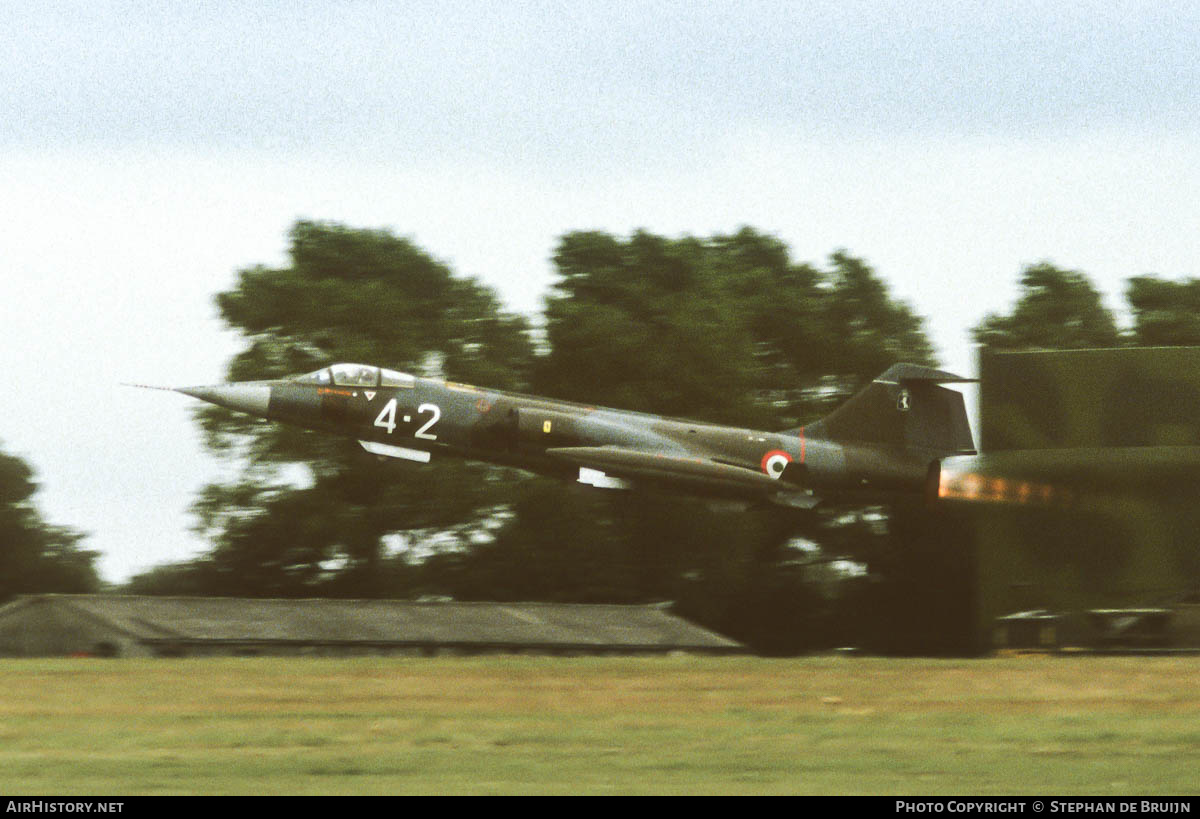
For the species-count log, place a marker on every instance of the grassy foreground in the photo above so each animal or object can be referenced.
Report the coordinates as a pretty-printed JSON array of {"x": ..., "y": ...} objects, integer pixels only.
[{"x": 1010, "y": 725}]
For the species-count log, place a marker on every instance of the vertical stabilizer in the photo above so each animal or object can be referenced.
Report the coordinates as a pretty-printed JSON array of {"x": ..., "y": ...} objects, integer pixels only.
[{"x": 904, "y": 408}]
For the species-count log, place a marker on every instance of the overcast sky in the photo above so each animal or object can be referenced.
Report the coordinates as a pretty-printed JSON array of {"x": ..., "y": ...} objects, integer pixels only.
[{"x": 150, "y": 150}]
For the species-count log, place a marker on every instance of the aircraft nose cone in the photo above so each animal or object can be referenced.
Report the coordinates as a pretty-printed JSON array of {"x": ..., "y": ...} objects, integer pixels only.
[{"x": 249, "y": 398}]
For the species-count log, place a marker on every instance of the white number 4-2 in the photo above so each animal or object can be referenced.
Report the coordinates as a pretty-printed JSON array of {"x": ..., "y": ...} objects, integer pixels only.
[{"x": 387, "y": 419}]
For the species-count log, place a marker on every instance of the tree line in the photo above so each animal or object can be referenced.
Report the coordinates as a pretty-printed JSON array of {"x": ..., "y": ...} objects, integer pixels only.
[
  {"x": 36, "y": 556},
  {"x": 728, "y": 329}
]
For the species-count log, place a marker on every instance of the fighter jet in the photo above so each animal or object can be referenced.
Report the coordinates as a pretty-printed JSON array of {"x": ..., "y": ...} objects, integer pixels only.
[{"x": 888, "y": 439}]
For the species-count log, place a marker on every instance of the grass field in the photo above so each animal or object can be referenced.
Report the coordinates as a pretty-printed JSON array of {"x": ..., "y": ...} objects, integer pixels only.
[{"x": 685, "y": 725}]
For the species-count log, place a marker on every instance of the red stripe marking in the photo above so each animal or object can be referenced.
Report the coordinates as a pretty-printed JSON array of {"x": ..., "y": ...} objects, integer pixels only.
[{"x": 801, "y": 444}]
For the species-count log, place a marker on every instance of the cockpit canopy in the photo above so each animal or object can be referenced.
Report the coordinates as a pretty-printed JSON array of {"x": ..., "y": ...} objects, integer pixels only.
[{"x": 357, "y": 375}]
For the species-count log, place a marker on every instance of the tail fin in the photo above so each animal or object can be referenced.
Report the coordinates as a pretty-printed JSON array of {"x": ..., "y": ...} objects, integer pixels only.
[{"x": 905, "y": 408}]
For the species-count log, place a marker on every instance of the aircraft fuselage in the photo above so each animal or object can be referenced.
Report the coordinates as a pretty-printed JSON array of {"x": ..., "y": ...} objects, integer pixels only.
[{"x": 397, "y": 415}]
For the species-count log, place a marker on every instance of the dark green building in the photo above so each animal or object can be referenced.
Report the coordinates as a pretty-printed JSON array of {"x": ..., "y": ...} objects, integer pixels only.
[{"x": 1086, "y": 494}]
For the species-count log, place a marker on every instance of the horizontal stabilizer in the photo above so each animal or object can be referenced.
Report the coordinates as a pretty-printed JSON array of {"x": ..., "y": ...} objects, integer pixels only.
[{"x": 906, "y": 373}]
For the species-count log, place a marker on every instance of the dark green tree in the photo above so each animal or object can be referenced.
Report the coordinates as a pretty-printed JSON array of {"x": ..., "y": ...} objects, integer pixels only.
[
  {"x": 311, "y": 514},
  {"x": 1058, "y": 310},
  {"x": 727, "y": 329},
  {"x": 1165, "y": 313},
  {"x": 641, "y": 325},
  {"x": 36, "y": 557}
]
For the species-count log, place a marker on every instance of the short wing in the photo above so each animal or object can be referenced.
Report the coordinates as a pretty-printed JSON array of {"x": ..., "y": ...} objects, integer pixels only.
[{"x": 655, "y": 467}]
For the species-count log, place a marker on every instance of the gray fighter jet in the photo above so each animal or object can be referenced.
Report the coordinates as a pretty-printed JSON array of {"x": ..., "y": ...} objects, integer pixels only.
[{"x": 888, "y": 439}]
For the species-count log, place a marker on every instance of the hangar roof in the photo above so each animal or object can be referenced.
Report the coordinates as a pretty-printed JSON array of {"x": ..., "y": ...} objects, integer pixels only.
[{"x": 207, "y": 619}]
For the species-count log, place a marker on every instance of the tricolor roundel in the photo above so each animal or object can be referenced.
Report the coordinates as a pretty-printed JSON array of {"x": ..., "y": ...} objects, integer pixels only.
[{"x": 774, "y": 462}]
